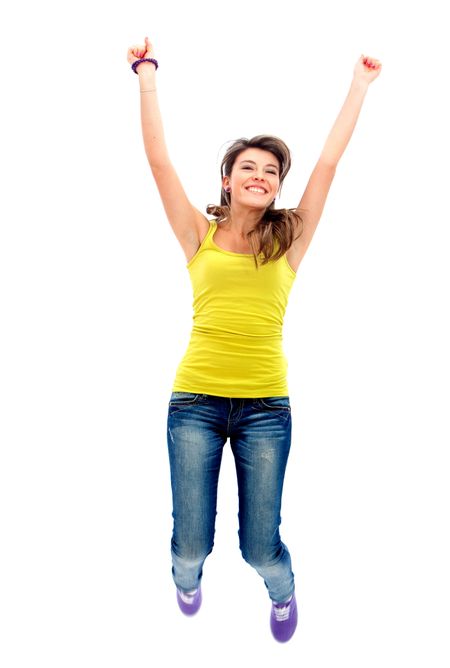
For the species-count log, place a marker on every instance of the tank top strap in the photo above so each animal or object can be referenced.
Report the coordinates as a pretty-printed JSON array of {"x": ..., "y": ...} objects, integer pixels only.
[{"x": 207, "y": 241}]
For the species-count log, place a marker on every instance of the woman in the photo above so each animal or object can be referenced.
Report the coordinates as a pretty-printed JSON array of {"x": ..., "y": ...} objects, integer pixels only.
[{"x": 231, "y": 382}]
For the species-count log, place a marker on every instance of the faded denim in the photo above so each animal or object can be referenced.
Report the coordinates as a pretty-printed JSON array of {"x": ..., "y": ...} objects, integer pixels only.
[{"x": 198, "y": 426}]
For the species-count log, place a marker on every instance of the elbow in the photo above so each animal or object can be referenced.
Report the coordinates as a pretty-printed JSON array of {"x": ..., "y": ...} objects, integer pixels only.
[
  {"x": 328, "y": 162},
  {"x": 158, "y": 161}
]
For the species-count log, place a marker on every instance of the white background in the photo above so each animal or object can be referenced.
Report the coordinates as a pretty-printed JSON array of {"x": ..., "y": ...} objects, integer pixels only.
[{"x": 96, "y": 314}]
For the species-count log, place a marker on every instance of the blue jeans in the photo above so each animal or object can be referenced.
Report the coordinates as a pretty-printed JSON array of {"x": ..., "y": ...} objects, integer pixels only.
[{"x": 259, "y": 430}]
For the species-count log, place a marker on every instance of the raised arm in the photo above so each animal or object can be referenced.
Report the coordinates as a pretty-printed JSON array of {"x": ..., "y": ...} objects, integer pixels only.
[
  {"x": 313, "y": 200},
  {"x": 186, "y": 221}
]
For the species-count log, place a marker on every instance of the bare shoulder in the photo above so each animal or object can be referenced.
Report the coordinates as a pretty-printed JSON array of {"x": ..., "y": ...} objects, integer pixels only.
[
  {"x": 195, "y": 235},
  {"x": 295, "y": 253},
  {"x": 203, "y": 225}
]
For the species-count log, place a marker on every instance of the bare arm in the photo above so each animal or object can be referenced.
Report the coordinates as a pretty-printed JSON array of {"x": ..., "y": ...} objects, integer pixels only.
[
  {"x": 151, "y": 121},
  {"x": 185, "y": 219},
  {"x": 313, "y": 200},
  {"x": 344, "y": 125}
]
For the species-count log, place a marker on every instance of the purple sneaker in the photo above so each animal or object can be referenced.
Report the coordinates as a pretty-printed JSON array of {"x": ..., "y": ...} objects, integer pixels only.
[
  {"x": 283, "y": 619},
  {"x": 189, "y": 602}
]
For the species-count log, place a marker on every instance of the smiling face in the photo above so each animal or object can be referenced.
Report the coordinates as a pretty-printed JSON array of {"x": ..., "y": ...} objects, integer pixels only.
[{"x": 254, "y": 178}]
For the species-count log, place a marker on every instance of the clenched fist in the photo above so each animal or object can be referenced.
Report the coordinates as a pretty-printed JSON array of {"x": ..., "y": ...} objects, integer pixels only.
[{"x": 138, "y": 51}]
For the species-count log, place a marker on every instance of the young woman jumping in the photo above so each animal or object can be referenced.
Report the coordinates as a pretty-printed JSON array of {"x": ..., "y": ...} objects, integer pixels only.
[{"x": 232, "y": 380}]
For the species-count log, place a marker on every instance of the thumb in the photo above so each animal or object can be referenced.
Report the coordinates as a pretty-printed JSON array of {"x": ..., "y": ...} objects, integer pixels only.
[{"x": 148, "y": 45}]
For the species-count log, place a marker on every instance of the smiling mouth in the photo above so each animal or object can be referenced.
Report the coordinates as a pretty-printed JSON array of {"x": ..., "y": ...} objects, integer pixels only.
[{"x": 257, "y": 190}]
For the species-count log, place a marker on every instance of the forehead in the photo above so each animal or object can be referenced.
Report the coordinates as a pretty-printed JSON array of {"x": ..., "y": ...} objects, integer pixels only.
[{"x": 259, "y": 156}]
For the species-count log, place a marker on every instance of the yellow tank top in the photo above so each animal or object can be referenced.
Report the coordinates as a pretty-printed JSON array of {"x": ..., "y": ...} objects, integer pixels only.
[{"x": 235, "y": 349}]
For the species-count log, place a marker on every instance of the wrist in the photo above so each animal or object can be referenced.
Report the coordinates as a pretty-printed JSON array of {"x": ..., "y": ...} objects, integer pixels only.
[
  {"x": 359, "y": 85},
  {"x": 145, "y": 68},
  {"x": 146, "y": 75}
]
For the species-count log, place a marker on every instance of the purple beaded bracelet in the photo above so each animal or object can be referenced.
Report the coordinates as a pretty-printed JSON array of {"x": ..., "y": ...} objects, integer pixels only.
[{"x": 141, "y": 60}]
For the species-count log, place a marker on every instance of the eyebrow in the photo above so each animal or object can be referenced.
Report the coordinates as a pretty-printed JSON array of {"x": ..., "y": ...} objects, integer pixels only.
[{"x": 254, "y": 163}]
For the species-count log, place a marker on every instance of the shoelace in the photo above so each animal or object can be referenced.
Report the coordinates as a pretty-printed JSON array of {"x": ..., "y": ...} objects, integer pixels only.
[
  {"x": 282, "y": 614},
  {"x": 188, "y": 597}
]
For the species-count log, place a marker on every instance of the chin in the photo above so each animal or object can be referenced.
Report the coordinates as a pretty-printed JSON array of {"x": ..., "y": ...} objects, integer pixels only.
[{"x": 256, "y": 204}]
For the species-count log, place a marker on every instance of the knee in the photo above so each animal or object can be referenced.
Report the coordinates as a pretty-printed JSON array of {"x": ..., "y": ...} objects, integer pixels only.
[
  {"x": 191, "y": 552},
  {"x": 258, "y": 555}
]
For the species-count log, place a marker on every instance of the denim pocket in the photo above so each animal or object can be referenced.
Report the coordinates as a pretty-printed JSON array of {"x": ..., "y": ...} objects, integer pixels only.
[
  {"x": 184, "y": 398},
  {"x": 273, "y": 404}
]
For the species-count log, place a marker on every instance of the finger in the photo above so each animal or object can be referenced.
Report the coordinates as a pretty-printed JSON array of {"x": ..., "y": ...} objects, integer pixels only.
[
  {"x": 136, "y": 50},
  {"x": 373, "y": 63}
]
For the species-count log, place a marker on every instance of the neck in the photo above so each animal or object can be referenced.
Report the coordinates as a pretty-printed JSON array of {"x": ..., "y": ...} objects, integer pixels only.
[{"x": 243, "y": 220}]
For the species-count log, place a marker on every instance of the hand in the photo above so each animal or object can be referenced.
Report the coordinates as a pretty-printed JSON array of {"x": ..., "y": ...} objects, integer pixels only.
[
  {"x": 137, "y": 51},
  {"x": 367, "y": 69}
]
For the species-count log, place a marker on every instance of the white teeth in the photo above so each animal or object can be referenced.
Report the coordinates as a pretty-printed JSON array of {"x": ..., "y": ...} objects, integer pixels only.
[{"x": 256, "y": 190}]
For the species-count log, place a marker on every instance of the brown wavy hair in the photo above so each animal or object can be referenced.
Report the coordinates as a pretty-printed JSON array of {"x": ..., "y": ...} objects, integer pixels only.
[{"x": 275, "y": 224}]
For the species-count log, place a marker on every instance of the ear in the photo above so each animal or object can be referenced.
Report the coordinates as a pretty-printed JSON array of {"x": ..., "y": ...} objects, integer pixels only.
[{"x": 225, "y": 182}]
